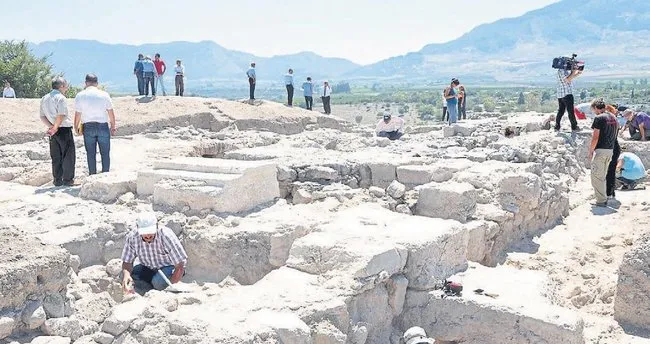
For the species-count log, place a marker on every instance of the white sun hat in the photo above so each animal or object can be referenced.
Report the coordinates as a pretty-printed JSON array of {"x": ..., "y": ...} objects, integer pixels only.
[{"x": 147, "y": 223}]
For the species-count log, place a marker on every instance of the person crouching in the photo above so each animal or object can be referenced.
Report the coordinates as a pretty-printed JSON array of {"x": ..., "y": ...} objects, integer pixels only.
[
  {"x": 157, "y": 249},
  {"x": 390, "y": 127}
]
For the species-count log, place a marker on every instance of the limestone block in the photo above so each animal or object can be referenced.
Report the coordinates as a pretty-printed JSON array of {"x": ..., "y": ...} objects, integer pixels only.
[
  {"x": 108, "y": 187},
  {"x": 413, "y": 175},
  {"x": 318, "y": 173},
  {"x": 382, "y": 174},
  {"x": 123, "y": 315},
  {"x": 377, "y": 191},
  {"x": 397, "y": 293},
  {"x": 286, "y": 173},
  {"x": 7, "y": 325},
  {"x": 302, "y": 196},
  {"x": 103, "y": 338},
  {"x": 63, "y": 327},
  {"x": 34, "y": 270},
  {"x": 33, "y": 315},
  {"x": 326, "y": 333},
  {"x": 632, "y": 303},
  {"x": 95, "y": 307},
  {"x": 464, "y": 129},
  {"x": 396, "y": 189},
  {"x": 526, "y": 316},
  {"x": 449, "y": 200},
  {"x": 54, "y": 305},
  {"x": 51, "y": 340},
  {"x": 448, "y": 131}
]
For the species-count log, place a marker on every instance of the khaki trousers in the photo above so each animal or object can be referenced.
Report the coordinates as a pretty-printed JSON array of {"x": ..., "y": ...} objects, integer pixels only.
[{"x": 599, "y": 166}]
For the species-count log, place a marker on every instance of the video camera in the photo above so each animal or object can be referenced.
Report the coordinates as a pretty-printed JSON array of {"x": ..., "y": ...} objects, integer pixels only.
[{"x": 568, "y": 63}]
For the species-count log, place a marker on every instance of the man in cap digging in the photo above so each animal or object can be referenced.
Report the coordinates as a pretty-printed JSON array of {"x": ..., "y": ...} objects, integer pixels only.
[
  {"x": 416, "y": 335},
  {"x": 392, "y": 128},
  {"x": 157, "y": 248}
]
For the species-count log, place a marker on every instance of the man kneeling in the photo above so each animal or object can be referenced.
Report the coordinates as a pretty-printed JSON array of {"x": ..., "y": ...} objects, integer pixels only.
[
  {"x": 157, "y": 249},
  {"x": 389, "y": 127},
  {"x": 629, "y": 170}
]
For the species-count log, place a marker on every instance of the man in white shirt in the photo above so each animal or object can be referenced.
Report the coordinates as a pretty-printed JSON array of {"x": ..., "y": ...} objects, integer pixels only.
[
  {"x": 252, "y": 79},
  {"x": 8, "y": 91},
  {"x": 327, "y": 91},
  {"x": 94, "y": 109},
  {"x": 392, "y": 128},
  {"x": 180, "y": 74},
  {"x": 54, "y": 114}
]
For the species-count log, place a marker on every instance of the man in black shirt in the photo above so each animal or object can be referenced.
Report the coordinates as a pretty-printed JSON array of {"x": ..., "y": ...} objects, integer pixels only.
[{"x": 601, "y": 149}]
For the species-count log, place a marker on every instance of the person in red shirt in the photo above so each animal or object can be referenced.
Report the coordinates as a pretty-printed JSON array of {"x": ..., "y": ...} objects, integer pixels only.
[{"x": 161, "y": 68}]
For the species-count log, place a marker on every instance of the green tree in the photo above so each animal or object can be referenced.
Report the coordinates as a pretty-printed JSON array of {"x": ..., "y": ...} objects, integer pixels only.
[
  {"x": 583, "y": 95},
  {"x": 29, "y": 75},
  {"x": 546, "y": 95},
  {"x": 489, "y": 105},
  {"x": 426, "y": 111},
  {"x": 632, "y": 95},
  {"x": 522, "y": 99}
]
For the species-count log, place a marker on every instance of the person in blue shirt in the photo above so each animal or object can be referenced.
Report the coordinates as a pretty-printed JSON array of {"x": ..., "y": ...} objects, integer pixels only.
[
  {"x": 308, "y": 91},
  {"x": 630, "y": 171},
  {"x": 137, "y": 71},
  {"x": 452, "y": 100},
  {"x": 252, "y": 79},
  {"x": 149, "y": 74},
  {"x": 288, "y": 81}
]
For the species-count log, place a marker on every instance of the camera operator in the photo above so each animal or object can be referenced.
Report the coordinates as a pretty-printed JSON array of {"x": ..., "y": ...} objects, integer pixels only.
[{"x": 565, "y": 96}]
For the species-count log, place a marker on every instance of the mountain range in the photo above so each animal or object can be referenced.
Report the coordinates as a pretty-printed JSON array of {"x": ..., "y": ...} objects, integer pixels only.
[{"x": 611, "y": 36}]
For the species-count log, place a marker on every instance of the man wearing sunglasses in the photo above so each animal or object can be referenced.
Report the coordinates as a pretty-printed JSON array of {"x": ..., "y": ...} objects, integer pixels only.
[{"x": 157, "y": 248}]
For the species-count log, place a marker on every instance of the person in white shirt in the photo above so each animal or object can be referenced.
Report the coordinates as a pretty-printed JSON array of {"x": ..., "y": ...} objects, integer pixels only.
[
  {"x": 327, "y": 91},
  {"x": 445, "y": 113},
  {"x": 54, "y": 114},
  {"x": 392, "y": 128},
  {"x": 94, "y": 110},
  {"x": 180, "y": 74},
  {"x": 8, "y": 91}
]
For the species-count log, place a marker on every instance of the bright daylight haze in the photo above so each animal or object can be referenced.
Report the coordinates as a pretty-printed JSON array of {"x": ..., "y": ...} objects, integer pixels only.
[{"x": 364, "y": 31}]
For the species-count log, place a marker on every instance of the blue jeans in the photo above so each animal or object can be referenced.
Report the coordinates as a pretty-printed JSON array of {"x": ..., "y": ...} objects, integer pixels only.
[
  {"x": 97, "y": 134},
  {"x": 151, "y": 276},
  {"x": 453, "y": 112}
]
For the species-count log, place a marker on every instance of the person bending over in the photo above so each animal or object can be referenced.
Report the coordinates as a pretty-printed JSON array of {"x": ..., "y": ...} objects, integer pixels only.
[{"x": 390, "y": 127}]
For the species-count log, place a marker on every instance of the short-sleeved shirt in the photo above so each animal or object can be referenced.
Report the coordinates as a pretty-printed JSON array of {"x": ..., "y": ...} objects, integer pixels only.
[
  {"x": 8, "y": 92},
  {"x": 308, "y": 89},
  {"x": 564, "y": 87},
  {"x": 608, "y": 127},
  {"x": 641, "y": 117},
  {"x": 452, "y": 101},
  {"x": 164, "y": 250},
  {"x": 633, "y": 168},
  {"x": 93, "y": 104},
  {"x": 54, "y": 104}
]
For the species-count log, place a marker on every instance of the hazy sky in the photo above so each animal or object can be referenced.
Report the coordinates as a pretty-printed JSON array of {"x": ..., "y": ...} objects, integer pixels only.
[{"x": 363, "y": 31}]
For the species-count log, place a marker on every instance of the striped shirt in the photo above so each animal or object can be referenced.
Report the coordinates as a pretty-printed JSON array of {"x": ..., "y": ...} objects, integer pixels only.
[
  {"x": 165, "y": 250},
  {"x": 564, "y": 87}
]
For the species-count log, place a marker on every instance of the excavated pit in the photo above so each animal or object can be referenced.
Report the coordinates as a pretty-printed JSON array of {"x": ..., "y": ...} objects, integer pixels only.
[{"x": 302, "y": 226}]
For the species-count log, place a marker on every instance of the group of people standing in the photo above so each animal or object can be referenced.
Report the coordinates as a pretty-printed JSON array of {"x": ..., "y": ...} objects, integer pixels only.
[
  {"x": 151, "y": 74},
  {"x": 611, "y": 167},
  {"x": 454, "y": 101},
  {"x": 94, "y": 118},
  {"x": 308, "y": 89}
]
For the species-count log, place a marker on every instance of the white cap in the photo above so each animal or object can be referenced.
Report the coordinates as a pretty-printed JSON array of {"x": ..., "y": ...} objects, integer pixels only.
[
  {"x": 416, "y": 335},
  {"x": 147, "y": 223}
]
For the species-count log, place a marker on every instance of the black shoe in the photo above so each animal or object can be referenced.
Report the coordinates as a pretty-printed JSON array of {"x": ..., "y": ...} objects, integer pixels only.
[
  {"x": 603, "y": 204},
  {"x": 575, "y": 129},
  {"x": 58, "y": 183}
]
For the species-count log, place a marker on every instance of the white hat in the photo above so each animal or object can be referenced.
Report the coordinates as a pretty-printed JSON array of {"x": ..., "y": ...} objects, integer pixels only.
[
  {"x": 147, "y": 223},
  {"x": 416, "y": 335}
]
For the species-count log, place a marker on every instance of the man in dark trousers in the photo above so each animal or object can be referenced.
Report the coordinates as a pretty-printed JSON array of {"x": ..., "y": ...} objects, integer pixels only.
[
  {"x": 252, "y": 78},
  {"x": 601, "y": 149},
  {"x": 565, "y": 97},
  {"x": 54, "y": 114},
  {"x": 327, "y": 91},
  {"x": 288, "y": 82},
  {"x": 138, "y": 72}
]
